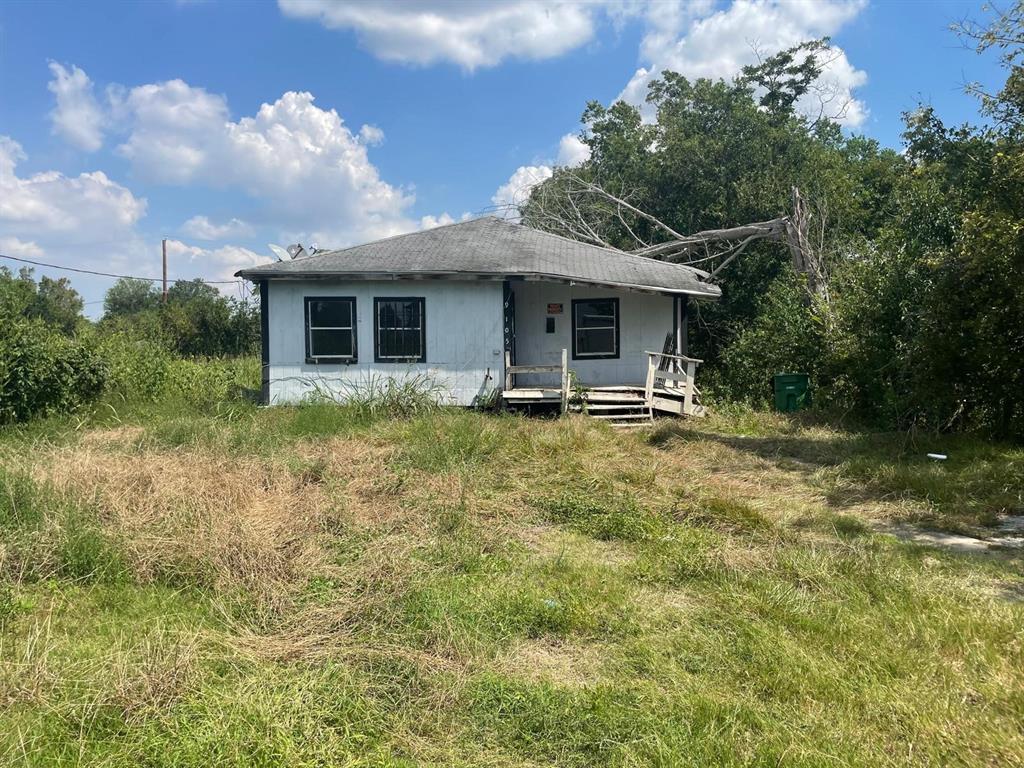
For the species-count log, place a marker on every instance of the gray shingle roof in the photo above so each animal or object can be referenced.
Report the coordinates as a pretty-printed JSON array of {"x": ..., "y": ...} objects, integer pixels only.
[{"x": 491, "y": 247}]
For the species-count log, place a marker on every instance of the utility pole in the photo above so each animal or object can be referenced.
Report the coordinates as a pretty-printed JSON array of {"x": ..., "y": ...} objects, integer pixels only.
[{"x": 164, "y": 244}]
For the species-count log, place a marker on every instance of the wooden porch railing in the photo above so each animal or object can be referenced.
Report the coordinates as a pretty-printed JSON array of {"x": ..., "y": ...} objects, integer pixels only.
[
  {"x": 679, "y": 378},
  {"x": 563, "y": 370}
]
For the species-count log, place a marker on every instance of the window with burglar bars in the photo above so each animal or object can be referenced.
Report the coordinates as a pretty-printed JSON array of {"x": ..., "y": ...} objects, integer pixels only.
[
  {"x": 595, "y": 328},
  {"x": 330, "y": 329},
  {"x": 399, "y": 330}
]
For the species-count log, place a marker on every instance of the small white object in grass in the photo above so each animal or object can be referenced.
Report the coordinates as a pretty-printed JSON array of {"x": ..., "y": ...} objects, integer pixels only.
[{"x": 939, "y": 456}]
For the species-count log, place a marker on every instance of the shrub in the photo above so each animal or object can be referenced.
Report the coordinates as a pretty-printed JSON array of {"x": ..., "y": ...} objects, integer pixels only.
[
  {"x": 138, "y": 368},
  {"x": 784, "y": 336},
  {"x": 43, "y": 372}
]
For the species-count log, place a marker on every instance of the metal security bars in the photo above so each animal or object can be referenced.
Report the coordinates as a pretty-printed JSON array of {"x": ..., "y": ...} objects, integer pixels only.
[{"x": 399, "y": 330}]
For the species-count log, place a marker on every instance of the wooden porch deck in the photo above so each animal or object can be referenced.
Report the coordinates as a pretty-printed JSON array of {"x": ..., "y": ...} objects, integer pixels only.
[{"x": 671, "y": 391}]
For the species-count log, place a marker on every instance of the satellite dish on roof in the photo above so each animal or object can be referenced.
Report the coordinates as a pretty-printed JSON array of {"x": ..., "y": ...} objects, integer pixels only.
[
  {"x": 281, "y": 253},
  {"x": 297, "y": 251}
]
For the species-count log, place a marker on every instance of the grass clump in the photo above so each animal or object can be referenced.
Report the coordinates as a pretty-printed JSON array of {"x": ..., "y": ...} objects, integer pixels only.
[
  {"x": 44, "y": 536},
  {"x": 605, "y": 516}
]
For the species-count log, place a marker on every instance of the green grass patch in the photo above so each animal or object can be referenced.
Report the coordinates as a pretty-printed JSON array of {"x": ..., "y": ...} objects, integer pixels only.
[{"x": 505, "y": 592}]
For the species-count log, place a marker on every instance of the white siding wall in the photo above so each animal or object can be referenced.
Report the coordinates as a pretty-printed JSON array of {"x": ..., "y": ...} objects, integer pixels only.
[
  {"x": 644, "y": 321},
  {"x": 464, "y": 337}
]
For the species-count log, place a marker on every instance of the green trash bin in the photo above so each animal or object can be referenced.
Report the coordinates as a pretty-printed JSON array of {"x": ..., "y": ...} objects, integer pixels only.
[{"x": 792, "y": 391}]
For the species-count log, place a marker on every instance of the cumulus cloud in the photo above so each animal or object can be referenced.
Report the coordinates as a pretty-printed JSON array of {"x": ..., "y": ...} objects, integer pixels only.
[
  {"x": 371, "y": 135},
  {"x": 201, "y": 228},
  {"x": 77, "y": 117},
  {"x": 516, "y": 191},
  {"x": 697, "y": 43},
  {"x": 430, "y": 222},
  {"x": 86, "y": 221},
  {"x": 214, "y": 263},
  {"x": 80, "y": 209},
  {"x": 301, "y": 160},
  {"x": 572, "y": 151},
  {"x": 12, "y": 246},
  {"x": 471, "y": 34}
]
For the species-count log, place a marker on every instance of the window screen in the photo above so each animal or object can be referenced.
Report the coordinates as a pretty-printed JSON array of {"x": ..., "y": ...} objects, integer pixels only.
[
  {"x": 331, "y": 329},
  {"x": 595, "y": 328},
  {"x": 400, "y": 331}
]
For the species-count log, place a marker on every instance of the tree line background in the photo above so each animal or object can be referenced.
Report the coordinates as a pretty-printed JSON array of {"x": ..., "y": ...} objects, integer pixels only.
[
  {"x": 54, "y": 360},
  {"x": 918, "y": 321}
]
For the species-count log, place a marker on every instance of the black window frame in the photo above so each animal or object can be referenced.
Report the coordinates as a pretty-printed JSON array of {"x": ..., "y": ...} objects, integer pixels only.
[
  {"x": 377, "y": 358},
  {"x": 331, "y": 359},
  {"x": 617, "y": 326}
]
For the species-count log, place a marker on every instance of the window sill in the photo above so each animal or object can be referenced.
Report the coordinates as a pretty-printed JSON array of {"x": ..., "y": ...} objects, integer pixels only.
[{"x": 330, "y": 361}]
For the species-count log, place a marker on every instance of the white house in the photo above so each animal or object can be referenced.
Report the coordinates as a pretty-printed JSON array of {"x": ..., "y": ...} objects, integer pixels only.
[{"x": 477, "y": 306}]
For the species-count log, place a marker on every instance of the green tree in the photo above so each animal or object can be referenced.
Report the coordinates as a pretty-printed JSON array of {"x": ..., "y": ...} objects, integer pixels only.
[
  {"x": 129, "y": 297},
  {"x": 57, "y": 304}
]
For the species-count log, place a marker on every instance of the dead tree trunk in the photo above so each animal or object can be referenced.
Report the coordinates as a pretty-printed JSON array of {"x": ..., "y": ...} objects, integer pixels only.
[{"x": 582, "y": 209}]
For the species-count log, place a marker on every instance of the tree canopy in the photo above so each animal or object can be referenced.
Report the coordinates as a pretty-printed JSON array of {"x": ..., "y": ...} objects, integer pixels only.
[{"x": 922, "y": 322}]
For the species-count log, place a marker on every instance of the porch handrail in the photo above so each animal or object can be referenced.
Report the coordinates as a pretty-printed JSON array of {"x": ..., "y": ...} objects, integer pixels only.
[
  {"x": 562, "y": 369},
  {"x": 535, "y": 369},
  {"x": 684, "y": 358},
  {"x": 686, "y": 373}
]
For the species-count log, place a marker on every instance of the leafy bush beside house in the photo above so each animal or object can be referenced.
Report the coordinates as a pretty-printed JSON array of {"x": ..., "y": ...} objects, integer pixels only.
[{"x": 43, "y": 372}]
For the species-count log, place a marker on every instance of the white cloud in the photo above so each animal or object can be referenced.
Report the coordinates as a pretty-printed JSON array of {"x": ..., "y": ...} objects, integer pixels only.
[
  {"x": 516, "y": 191},
  {"x": 430, "y": 222},
  {"x": 12, "y": 246},
  {"x": 572, "y": 151},
  {"x": 78, "y": 117},
  {"x": 371, "y": 135},
  {"x": 81, "y": 209},
  {"x": 213, "y": 263},
  {"x": 201, "y": 228},
  {"x": 689, "y": 40},
  {"x": 85, "y": 221},
  {"x": 471, "y": 33},
  {"x": 303, "y": 162}
]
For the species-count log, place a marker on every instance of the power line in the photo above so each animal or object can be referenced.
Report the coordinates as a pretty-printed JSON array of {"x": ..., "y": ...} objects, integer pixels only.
[{"x": 110, "y": 274}]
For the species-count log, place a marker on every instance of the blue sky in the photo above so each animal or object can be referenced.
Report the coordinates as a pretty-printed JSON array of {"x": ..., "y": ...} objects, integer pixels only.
[{"x": 225, "y": 126}]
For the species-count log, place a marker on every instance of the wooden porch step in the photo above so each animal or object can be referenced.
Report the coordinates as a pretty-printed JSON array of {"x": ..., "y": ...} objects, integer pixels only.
[
  {"x": 628, "y": 424},
  {"x": 613, "y": 397},
  {"x": 608, "y": 406},
  {"x": 617, "y": 416}
]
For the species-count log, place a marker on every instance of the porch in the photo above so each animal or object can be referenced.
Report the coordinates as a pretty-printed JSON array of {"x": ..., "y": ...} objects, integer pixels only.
[{"x": 670, "y": 388}]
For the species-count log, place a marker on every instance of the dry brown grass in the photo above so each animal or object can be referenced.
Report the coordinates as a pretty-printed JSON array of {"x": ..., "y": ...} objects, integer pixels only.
[
  {"x": 560, "y": 662},
  {"x": 196, "y": 517}
]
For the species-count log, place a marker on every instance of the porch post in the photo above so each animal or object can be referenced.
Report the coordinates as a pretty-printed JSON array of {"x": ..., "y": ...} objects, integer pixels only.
[
  {"x": 683, "y": 340},
  {"x": 691, "y": 376},
  {"x": 677, "y": 332},
  {"x": 508, "y": 323},
  {"x": 565, "y": 379}
]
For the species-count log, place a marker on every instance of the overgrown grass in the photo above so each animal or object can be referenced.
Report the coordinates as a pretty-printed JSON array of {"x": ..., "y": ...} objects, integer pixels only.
[{"x": 216, "y": 583}]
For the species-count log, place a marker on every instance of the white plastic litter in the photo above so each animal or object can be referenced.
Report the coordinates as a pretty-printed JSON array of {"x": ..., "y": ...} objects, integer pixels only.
[{"x": 939, "y": 456}]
